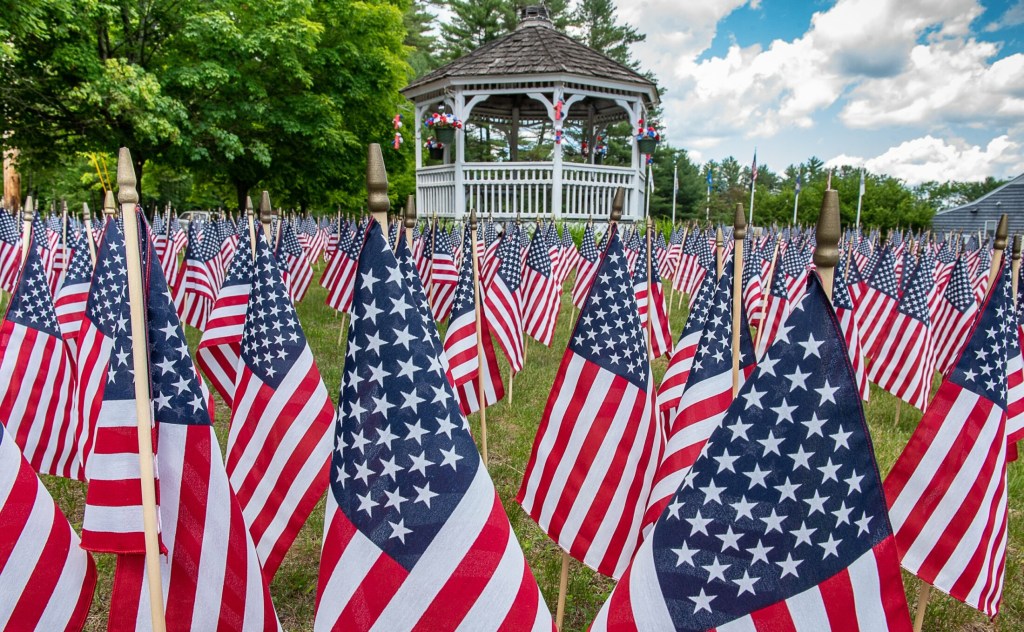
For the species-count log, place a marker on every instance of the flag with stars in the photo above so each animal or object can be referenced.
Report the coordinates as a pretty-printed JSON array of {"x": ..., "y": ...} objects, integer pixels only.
[
  {"x": 690, "y": 271},
  {"x": 589, "y": 474},
  {"x": 674, "y": 381},
  {"x": 903, "y": 361},
  {"x": 210, "y": 574},
  {"x": 10, "y": 251},
  {"x": 342, "y": 270},
  {"x": 753, "y": 293},
  {"x": 201, "y": 261},
  {"x": 503, "y": 299},
  {"x": 73, "y": 294},
  {"x": 414, "y": 533},
  {"x": 947, "y": 491},
  {"x": 777, "y": 305},
  {"x": 540, "y": 291},
  {"x": 781, "y": 523},
  {"x": 47, "y": 579},
  {"x": 706, "y": 395},
  {"x": 879, "y": 299},
  {"x": 586, "y": 268},
  {"x": 298, "y": 272},
  {"x": 38, "y": 377},
  {"x": 460, "y": 344},
  {"x": 443, "y": 274},
  {"x": 847, "y": 317},
  {"x": 650, "y": 291},
  {"x": 220, "y": 347},
  {"x": 279, "y": 440},
  {"x": 954, "y": 317}
]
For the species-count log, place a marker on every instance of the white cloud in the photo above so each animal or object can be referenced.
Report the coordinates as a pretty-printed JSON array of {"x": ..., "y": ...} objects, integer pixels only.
[{"x": 930, "y": 158}]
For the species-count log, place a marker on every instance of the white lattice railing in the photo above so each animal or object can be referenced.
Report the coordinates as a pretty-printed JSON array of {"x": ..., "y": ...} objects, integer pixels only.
[{"x": 506, "y": 188}]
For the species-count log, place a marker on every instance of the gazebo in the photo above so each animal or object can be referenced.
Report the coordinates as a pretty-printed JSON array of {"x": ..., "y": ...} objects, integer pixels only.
[{"x": 534, "y": 75}]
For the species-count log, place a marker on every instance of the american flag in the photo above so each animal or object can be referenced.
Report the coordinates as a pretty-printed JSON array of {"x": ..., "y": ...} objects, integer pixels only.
[
  {"x": 211, "y": 574},
  {"x": 489, "y": 261},
  {"x": 279, "y": 440},
  {"x": 632, "y": 246},
  {"x": 443, "y": 274},
  {"x": 219, "y": 349},
  {"x": 343, "y": 269},
  {"x": 847, "y": 317},
  {"x": 675, "y": 250},
  {"x": 954, "y": 317},
  {"x": 777, "y": 305},
  {"x": 903, "y": 361},
  {"x": 293, "y": 259},
  {"x": 947, "y": 491},
  {"x": 47, "y": 240},
  {"x": 540, "y": 291},
  {"x": 201, "y": 261},
  {"x": 47, "y": 579},
  {"x": 706, "y": 397},
  {"x": 503, "y": 299},
  {"x": 10, "y": 251},
  {"x": 674, "y": 380},
  {"x": 587, "y": 267},
  {"x": 661, "y": 337},
  {"x": 753, "y": 293},
  {"x": 879, "y": 299},
  {"x": 781, "y": 523},
  {"x": 38, "y": 378},
  {"x": 72, "y": 296},
  {"x": 414, "y": 533},
  {"x": 594, "y": 455},
  {"x": 407, "y": 267},
  {"x": 460, "y": 344}
]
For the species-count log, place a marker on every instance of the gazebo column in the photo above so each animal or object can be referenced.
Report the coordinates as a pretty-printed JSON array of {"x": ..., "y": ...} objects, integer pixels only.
[
  {"x": 513, "y": 137},
  {"x": 635, "y": 109},
  {"x": 460, "y": 157}
]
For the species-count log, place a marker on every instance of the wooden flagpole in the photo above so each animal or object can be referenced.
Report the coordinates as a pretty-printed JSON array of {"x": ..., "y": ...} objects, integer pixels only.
[
  {"x": 87, "y": 220},
  {"x": 28, "y": 213},
  {"x": 481, "y": 396},
  {"x": 129, "y": 198},
  {"x": 1015, "y": 266},
  {"x": 719, "y": 252},
  {"x": 826, "y": 252},
  {"x": 64, "y": 232},
  {"x": 739, "y": 234},
  {"x": 410, "y": 219}
]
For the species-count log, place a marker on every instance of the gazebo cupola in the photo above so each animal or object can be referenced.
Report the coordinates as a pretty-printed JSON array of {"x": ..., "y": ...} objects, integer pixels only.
[{"x": 531, "y": 85}]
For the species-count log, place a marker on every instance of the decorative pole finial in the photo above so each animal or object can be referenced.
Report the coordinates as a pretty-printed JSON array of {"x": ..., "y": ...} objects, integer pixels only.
[
  {"x": 377, "y": 185},
  {"x": 1002, "y": 232},
  {"x": 86, "y": 213},
  {"x": 109, "y": 205},
  {"x": 618, "y": 202},
  {"x": 267, "y": 214},
  {"x": 739, "y": 224},
  {"x": 410, "y": 212},
  {"x": 126, "y": 191},
  {"x": 826, "y": 252},
  {"x": 472, "y": 219},
  {"x": 28, "y": 212}
]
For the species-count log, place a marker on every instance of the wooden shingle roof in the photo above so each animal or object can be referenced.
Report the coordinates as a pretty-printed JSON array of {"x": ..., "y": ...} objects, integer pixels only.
[
  {"x": 986, "y": 210},
  {"x": 534, "y": 48}
]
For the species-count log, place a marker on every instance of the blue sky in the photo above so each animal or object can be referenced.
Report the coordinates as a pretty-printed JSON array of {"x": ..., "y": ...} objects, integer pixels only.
[{"x": 918, "y": 89}]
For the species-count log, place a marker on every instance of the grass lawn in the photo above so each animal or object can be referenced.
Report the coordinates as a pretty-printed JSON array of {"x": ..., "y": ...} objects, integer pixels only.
[{"x": 511, "y": 427}]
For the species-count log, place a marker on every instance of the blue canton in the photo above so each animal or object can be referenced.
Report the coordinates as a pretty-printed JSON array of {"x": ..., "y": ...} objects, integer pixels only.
[
  {"x": 883, "y": 277},
  {"x": 608, "y": 331},
  {"x": 510, "y": 269},
  {"x": 403, "y": 456},
  {"x": 981, "y": 368},
  {"x": 786, "y": 492},
  {"x": 31, "y": 304},
  {"x": 714, "y": 351},
  {"x": 109, "y": 311},
  {"x": 588, "y": 247}
]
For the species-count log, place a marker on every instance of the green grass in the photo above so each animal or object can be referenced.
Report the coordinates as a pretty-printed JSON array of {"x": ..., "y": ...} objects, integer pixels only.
[{"x": 511, "y": 426}]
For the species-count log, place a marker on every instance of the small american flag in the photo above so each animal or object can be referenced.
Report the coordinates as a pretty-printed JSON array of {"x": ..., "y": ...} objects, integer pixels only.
[
  {"x": 781, "y": 522},
  {"x": 503, "y": 299},
  {"x": 340, "y": 276},
  {"x": 443, "y": 274},
  {"x": 595, "y": 452},
  {"x": 954, "y": 317},
  {"x": 201, "y": 262},
  {"x": 10, "y": 251},
  {"x": 279, "y": 440},
  {"x": 220, "y": 347},
  {"x": 414, "y": 533},
  {"x": 47, "y": 579},
  {"x": 586, "y": 268},
  {"x": 947, "y": 491},
  {"x": 73, "y": 294},
  {"x": 753, "y": 292},
  {"x": 672, "y": 384},
  {"x": 661, "y": 337},
  {"x": 878, "y": 300},
  {"x": 847, "y": 317},
  {"x": 293, "y": 259},
  {"x": 540, "y": 291},
  {"x": 38, "y": 378}
]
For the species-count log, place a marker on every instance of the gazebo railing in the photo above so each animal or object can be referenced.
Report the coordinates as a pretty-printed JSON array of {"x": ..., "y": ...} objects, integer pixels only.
[{"x": 506, "y": 188}]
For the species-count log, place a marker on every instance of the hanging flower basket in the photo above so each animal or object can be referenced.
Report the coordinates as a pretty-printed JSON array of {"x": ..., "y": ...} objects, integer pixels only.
[
  {"x": 647, "y": 138},
  {"x": 445, "y": 134},
  {"x": 647, "y": 145},
  {"x": 436, "y": 153},
  {"x": 598, "y": 159}
]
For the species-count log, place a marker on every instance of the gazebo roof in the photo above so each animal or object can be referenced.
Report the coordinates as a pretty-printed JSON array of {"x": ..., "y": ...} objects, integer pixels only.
[{"x": 535, "y": 48}]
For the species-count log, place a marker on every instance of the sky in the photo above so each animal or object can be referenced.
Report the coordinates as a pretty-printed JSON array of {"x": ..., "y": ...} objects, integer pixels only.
[{"x": 917, "y": 89}]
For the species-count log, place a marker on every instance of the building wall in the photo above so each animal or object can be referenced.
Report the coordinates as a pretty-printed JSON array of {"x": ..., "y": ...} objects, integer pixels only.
[{"x": 985, "y": 213}]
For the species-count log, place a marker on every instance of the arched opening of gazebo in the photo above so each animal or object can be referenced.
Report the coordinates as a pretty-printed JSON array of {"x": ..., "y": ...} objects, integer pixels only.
[{"x": 548, "y": 98}]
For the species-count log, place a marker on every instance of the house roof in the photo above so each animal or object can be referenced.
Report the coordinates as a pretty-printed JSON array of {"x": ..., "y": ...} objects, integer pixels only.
[
  {"x": 535, "y": 48},
  {"x": 987, "y": 209}
]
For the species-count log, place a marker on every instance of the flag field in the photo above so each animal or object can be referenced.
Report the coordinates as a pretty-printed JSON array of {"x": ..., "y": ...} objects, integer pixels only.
[{"x": 511, "y": 430}]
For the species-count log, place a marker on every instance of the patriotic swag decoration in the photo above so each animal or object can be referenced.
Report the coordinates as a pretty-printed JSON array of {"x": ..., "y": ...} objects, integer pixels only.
[
  {"x": 210, "y": 573},
  {"x": 781, "y": 523},
  {"x": 947, "y": 491},
  {"x": 38, "y": 378},
  {"x": 593, "y": 459},
  {"x": 414, "y": 534},
  {"x": 279, "y": 443},
  {"x": 47, "y": 579}
]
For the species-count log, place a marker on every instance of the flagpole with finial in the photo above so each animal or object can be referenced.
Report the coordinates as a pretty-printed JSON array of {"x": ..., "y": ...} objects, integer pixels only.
[
  {"x": 739, "y": 234},
  {"x": 250, "y": 220},
  {"x": 826, "y": 236},
  {"x": 28, "y": 214},
  {"x": 998, "y": 246},
  {"x": 719, "y": 252},
  {"x": 650, "y": 288},
  {"x": 1015, "y": 266},
  {"x": 377, "y": 185},
  {"x": 87, "y": 220},
  {"x": 129, "y": 198},
  {"x": 478, "y": 313},
  {"x": 410, "y": 220}
]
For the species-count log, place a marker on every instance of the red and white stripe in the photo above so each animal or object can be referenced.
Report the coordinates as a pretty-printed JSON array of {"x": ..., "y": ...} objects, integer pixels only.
[
  {"x": 70, "y": 307},
  {"x": 219, "y": 349},
  {"x": 278, "y": 451},
  {"x": 36, "y": 404},
  {"x": 589, "y": 473},
  {"x": 444, "y": 277},
  {"x": 903, "y": 362},
  {"x": 867, "y": 595},
  {"x": 47, "y": 580},
  {"x": 851, "y": 334},
  {"x": 540, "y": 300},
  {"x": 585, "y": 272},
  {"x": 473, "y": 576},
  {"x": 211, "y": 575},
  {"x": 503, "y": 311}
]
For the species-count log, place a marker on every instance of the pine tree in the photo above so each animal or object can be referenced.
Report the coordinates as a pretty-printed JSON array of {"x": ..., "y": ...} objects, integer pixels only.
[
  {"x": 423, "y": 54},
  {"x": 598, "y": 28},
  {"x": 474, "y": 23}
]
